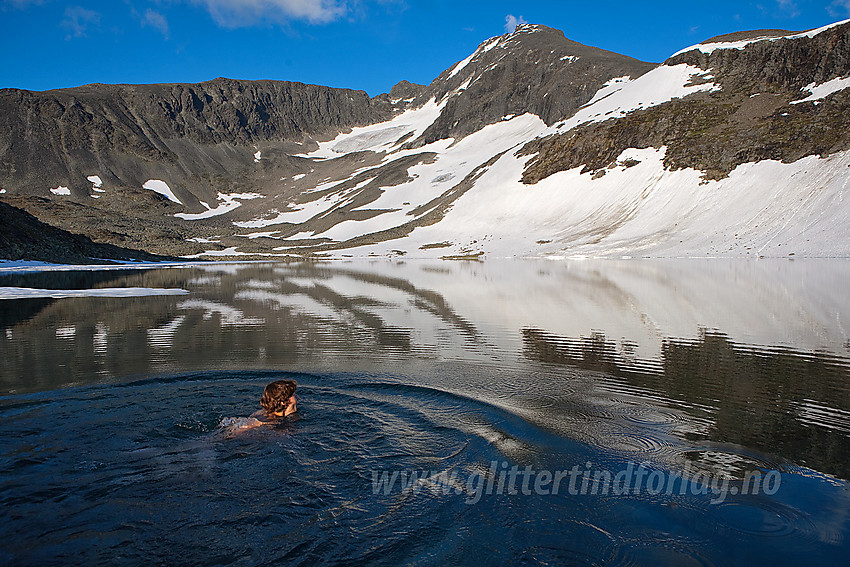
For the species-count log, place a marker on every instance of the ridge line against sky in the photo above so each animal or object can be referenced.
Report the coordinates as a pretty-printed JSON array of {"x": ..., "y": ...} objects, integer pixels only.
[{"x": 361, "y": 44}]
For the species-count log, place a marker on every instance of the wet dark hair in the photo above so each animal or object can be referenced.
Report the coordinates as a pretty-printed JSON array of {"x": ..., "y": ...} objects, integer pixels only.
[{"x": 276, "y": 395}]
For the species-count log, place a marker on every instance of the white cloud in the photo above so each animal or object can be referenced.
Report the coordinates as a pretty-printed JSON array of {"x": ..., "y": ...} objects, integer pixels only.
[
  {"x": 156, "y": 21},
  {"x": 236, "y": 13},
  {"x": 511, "y": 22},
  {"x": 839, "y": 9},
  {"x": 79, "y": 20},
  {"x": 788, "y": 8}
]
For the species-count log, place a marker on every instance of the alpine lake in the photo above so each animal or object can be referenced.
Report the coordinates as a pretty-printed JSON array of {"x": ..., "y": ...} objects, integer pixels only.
[{"x": 571, "y": 412}]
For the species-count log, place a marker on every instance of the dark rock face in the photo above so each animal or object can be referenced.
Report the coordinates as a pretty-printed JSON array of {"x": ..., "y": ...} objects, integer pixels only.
[
  {"x": 405, "y": 90},
  {"x": 24, "y": 237},
  {"x": 129, "y": 133},
  {"x": 750, "y": 119},
  {"x": 535, "y": 69}
]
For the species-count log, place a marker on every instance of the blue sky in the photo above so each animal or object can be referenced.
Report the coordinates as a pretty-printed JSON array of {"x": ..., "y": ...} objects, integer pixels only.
[{"x": 362, "y": 44}]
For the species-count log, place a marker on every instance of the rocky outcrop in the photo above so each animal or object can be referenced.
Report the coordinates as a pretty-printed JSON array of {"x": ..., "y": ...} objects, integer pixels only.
[
  {"x": 24, "y": 237},
  {"x": 404, "y": 90}
]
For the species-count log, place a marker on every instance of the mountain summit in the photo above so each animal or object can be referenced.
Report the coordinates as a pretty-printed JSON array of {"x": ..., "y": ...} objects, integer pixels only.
[
  {"x": 533, "y": 145},
  {"x": 533, "y": 70}
]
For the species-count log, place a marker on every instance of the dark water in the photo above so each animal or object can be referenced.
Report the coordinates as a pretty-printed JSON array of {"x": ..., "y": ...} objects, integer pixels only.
[{"x": 718, "y": 390}]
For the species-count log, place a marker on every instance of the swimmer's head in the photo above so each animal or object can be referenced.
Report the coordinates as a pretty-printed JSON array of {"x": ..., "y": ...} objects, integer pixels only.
[{"x": 279, "y": 398}]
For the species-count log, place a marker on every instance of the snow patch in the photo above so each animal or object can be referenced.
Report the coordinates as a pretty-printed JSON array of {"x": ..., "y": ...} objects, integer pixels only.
[
  {"x": 819, "y": 92},
  {"x": 459, "y": 67},
  {"x": 229, "y": 202},
  {"x": 96, "y": 182},
  {"x": 162, "y": 188},
  {"x": 483, "y": 48},
  {"x": 231, "y": 251},
  {"x": 61, "y": 190},
  {"x": 258, "y": 156},
  {"x": 253, "y": 235}
]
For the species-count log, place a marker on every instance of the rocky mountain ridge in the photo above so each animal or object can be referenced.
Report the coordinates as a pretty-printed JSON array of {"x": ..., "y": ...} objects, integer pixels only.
[
  {"x": 533, "y": 145},
  {"x": 195, "y": 132}
]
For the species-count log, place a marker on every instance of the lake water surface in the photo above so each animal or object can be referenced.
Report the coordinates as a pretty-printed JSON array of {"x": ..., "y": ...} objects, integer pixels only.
[{"x": 692, "y": 412}]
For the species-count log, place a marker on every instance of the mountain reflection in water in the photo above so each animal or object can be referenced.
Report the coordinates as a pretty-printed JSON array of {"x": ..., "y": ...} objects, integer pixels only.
[
  {"x": 781, "y": 401},
  {"x": 747, "y": 353}
]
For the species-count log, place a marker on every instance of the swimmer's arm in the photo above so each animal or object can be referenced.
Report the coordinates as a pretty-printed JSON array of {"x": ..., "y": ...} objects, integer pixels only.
[{"x": 252, "y": 424}]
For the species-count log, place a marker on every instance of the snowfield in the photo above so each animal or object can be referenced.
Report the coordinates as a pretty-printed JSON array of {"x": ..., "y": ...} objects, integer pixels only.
[
  {"x": 762, "y": 209},
  {"x": 430, "y": 181},
  {"x": 380, "y": 137}
]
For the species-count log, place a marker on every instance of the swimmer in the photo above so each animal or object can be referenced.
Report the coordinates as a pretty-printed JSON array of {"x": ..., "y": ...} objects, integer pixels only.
[
  {"x": 279, "y": 398},
  {"x": 278, "y": 401}
]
